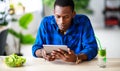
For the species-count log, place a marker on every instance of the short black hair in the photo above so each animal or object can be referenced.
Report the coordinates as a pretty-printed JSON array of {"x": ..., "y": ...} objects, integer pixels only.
[{"x": 64, "y": 3}]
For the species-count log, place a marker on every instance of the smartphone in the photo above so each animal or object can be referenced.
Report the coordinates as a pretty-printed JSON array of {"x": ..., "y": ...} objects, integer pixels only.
[{"x": 50, "y": 48}]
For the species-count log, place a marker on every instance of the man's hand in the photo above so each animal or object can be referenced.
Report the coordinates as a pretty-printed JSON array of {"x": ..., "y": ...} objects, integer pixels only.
[
  {"x": 68, "y": 56},
  {"x": 42, "y": 54},
  {"x": 47, "y": 56}
]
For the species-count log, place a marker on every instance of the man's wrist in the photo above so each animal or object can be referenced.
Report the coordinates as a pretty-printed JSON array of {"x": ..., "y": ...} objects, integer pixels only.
[
  {"x": 81, "y": 57},
  {"x": 78, "y": 60}
]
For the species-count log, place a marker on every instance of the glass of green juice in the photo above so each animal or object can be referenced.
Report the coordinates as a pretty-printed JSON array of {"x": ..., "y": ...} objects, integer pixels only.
[{"x": 102, "y": 58}]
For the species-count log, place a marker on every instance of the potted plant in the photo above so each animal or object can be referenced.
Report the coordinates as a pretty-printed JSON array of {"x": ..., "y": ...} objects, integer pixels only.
[
  {"x": 7, "y": 15},
  {"x": 24, "y": 21}
]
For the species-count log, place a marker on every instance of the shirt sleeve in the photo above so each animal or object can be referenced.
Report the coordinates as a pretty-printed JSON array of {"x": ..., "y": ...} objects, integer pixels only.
[
  {"x": 39, "y": 38},
  {"x": 89, "y": 43}
]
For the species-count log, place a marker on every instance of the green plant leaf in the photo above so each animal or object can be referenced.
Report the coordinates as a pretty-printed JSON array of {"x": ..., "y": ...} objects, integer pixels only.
[
  {"x": 14, "y": 33},
  {"x": 24, "y": 39},
  {"x": 25, "y": 20},
  {"x": 49, "y": 3},
  {"x": 27, "y": 39}
]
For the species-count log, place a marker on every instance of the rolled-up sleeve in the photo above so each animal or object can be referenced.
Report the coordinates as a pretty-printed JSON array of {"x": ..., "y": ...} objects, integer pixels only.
[
  {"x": 89, "y": 43},
  {"x": 39, "y": 38}
]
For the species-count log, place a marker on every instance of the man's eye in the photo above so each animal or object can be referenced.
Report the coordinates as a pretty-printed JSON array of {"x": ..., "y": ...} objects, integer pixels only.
[
  {"x": 57, "y": 16},
  {"x": 66, "y": 16}
]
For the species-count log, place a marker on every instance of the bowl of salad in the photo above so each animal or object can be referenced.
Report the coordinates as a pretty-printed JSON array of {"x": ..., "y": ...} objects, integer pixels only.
[{"x": 14, "y": 60}]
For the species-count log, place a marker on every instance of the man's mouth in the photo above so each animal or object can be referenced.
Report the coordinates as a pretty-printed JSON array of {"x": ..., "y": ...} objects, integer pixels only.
[{"x": 62, "y": 27}]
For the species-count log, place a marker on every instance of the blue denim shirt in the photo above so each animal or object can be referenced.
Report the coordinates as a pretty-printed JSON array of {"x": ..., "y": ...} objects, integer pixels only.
[{"x": 79, "y": 37}]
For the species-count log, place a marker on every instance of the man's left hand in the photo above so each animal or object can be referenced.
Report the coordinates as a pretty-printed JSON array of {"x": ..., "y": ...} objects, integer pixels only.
[{"x": 68, "y": 56}]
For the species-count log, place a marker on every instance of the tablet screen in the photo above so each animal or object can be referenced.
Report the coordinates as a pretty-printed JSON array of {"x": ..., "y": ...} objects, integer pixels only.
[{"x": 50, "y": 48}]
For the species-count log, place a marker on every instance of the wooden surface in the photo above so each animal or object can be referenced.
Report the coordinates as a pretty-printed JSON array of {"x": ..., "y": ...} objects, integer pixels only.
[{"x": 38, "y": 64}]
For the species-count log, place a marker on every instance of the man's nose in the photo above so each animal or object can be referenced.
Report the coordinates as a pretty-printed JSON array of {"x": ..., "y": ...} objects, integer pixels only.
[{"x": 61, "y": 20}]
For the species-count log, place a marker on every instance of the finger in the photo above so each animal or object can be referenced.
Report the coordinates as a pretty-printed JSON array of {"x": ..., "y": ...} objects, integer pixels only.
[
  {"x": 59, "y": 55},
  {"x": 63, "y": 57},
  {"x": 51, "y": 58},
  {"x": 65, "y": 53},
  {"x": 54, "y": 51},
  {"x": 47, "y": 57},
  {"x": 62, "y": 51},
  {"x": 43, "y": 53},
  {"x": 58, "y": 51},
  {"x": 70, "y": 51}
]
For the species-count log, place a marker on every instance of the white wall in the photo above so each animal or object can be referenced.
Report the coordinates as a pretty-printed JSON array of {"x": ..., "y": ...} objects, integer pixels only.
[
  {"x": 97, "y": 19},
  {"x": 110, "y": 39}
]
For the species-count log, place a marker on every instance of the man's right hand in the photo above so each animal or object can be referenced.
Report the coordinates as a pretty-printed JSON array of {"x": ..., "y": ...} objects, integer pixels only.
[{"x": 42, "y": 54}]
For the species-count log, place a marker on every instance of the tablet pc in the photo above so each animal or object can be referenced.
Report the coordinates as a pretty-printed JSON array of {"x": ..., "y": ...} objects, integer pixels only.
[{"x": 50, "y": 48}]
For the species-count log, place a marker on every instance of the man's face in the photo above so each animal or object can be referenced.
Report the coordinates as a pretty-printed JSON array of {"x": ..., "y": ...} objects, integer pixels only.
[{"x": 63, "y": 17}]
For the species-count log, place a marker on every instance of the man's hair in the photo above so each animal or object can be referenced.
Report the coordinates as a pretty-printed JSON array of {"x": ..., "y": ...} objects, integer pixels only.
[{"x": 64, "y": 3}]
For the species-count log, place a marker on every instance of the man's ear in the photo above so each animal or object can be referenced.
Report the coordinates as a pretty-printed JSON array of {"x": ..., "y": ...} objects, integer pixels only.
[{"x": 74, "y": 13}]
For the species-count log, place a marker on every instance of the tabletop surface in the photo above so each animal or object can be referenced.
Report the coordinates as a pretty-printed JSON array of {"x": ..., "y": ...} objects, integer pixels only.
[{"x": 39, "y": 64}]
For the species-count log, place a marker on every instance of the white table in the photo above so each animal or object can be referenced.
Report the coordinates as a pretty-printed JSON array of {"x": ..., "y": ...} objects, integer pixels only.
[{"x": 38, "y": 64}]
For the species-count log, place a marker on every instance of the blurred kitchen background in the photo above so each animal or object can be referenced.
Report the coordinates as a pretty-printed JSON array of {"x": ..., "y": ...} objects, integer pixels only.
[{"x": 20, "y": 19}]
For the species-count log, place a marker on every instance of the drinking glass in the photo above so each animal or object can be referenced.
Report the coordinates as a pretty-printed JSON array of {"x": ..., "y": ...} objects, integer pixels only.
[{"x": 102, "y": 58}]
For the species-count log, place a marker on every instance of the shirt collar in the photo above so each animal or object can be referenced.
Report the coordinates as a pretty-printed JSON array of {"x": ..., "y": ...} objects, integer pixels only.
[
  {"x": 53, "y": 20},
  {"x": 75, "y": 20}
]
